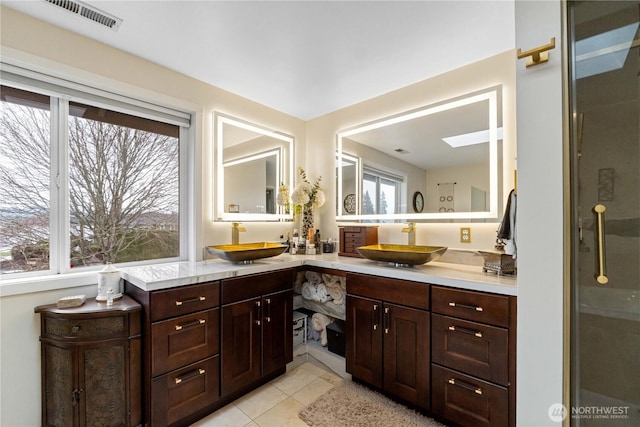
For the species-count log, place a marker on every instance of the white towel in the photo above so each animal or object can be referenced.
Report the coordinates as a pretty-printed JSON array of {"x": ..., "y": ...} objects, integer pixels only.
[
  {"x": 308, "y": 291},
  {"x": 320, "y": 322},
  {"x": 321, "y": 293},
  {"x": 313, "y": 277}
]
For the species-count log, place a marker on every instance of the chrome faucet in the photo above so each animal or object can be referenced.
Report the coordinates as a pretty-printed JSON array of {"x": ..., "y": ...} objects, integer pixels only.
[
  {"x": 411, "y": 230},
  {"x": 235, "y": 232}
]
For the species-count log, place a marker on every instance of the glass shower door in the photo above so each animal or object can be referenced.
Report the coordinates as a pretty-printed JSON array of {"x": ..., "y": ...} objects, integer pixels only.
[{"x": 605, "y": 189}]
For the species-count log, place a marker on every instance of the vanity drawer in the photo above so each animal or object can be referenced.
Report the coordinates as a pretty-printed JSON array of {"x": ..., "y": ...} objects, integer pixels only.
[
  {"x": 184, "y": 392},
  {"x": 98, "y": 328},
  {"x": 468, "y": 401},
  {"x": 397, "y": 291},
  {"x": 182, "y": 340},
  {"x": 183, "y": 300},
  {"x": 255, "y": 285},
  {"x": 471, "y": 305},
  {"x": 474, "y": 348}
]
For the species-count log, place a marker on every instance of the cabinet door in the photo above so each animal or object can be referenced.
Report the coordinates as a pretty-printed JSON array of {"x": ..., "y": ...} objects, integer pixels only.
[
  {"x": 59, "y": 391},
  {"x": 277, "y": 331},
  {"x": 103, "y": 384},
  {"x": 406, "y": 354},
  {"x": 364, "y": 339},
  {"x": 241, "y": 335}
]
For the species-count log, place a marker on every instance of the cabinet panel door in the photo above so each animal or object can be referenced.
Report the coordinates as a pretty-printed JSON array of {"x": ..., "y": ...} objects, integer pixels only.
[
  {"x": 103, "y": 373},
  {"x": 406, "y": 354},
  {"x": 277, "y": 331},
  {"x": 364, "y": 339},
  {"x": 241, "y": 347},
  {"x": 58, "y": 363}
]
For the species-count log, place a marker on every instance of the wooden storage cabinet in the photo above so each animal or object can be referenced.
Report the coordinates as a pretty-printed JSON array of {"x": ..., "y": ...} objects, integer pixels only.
[
  {"x": 352, "y": 237},
  {"x": 91, "y": 364},
  {"x": 257, "y": 337},
  {"x": 473, "y": 356},
  {"x": 181, "y": 373},
  {"x": 387, "y": 336}
]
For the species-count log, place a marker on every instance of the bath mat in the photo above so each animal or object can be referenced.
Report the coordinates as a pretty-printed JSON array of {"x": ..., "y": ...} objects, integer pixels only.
[{"x": 353, "y": 405}]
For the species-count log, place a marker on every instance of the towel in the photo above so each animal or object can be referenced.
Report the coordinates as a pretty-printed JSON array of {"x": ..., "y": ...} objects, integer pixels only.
[
  {"x": 312, "y": 334},
  {"x": 336, "y": 287},
  {"x": 320, "y": 322},
  {"x": 308, "y": 291},
  {"x": 313, "y": 277},
  {"x": 297, "y": 284},
  {"x": 315, "y": 292},
  {"x": 507, "y": 229}
]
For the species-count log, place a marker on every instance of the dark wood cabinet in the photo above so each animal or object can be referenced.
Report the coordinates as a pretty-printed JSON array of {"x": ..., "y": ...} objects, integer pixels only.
[
  {"x": 473, "y": 355},
  {"x": 181, "y": 354},
  {"x": 388, "y": 336},
  {"x": 257, "y": 334},
  {"x": 91, "y": 364},
  {"x": 351, "y": 237}
]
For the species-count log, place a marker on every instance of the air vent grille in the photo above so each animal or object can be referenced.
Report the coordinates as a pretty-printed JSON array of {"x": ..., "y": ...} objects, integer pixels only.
[{"x": 89, "y": 12}]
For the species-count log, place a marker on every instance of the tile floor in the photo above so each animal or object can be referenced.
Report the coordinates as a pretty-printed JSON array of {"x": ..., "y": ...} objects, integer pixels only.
[{"x": 278, "y": 402}]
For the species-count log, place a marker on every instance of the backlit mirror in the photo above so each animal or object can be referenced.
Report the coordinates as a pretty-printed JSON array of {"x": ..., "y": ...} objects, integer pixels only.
[
  {"x": 251, "y": 163},
  {"x": 436, "y": 162}
]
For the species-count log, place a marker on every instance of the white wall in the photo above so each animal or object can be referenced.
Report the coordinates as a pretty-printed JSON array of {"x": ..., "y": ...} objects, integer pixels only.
[
  {"x": 46, "y": 47},
  {"x": 540, "y": 166},
  {"x": 540, "y": 216},
  {"x": 321, "y": 139}
]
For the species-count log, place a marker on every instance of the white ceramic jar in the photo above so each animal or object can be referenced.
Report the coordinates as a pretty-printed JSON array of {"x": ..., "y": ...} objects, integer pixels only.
[{"x": 108, "y": 278}]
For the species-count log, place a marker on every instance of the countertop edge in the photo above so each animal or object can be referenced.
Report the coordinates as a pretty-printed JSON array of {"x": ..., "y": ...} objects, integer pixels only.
[{"x": 152, "y": 278}]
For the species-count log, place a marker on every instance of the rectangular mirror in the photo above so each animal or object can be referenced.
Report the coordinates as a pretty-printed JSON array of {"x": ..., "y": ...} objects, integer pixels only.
[
  {"x": 251, "y": 162},
  {"x": 437, "y": 162}
]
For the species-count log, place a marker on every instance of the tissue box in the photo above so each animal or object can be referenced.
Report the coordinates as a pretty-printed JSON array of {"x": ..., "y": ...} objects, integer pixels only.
[{"x": 335, "y": 337}]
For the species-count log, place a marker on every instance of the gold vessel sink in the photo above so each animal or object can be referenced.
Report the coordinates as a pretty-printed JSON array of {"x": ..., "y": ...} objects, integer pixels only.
[
  {"x": 244, "y": 253},
  {"x": 401, "y": 255}
]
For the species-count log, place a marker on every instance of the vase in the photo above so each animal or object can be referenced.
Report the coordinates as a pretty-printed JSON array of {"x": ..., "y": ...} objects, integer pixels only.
[{"x": 307, "y": 221}]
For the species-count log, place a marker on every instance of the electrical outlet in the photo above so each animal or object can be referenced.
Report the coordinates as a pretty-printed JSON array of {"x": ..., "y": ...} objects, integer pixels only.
[{"x": 465, "y": 234}]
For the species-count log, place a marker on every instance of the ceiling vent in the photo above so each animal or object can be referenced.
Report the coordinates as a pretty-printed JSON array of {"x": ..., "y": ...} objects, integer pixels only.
[{"x": 89, "y": 12}]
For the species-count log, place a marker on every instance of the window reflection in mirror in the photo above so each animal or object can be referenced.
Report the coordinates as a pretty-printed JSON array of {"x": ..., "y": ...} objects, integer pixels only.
[
  {"x": 252, "y": 162},
  {"x": 446, "y": 152}
]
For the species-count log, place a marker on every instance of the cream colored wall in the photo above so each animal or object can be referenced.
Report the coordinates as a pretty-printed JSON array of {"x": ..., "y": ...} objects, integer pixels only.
[
  {"x": 43, "y": 46},
  {"x": 321, "y": 139},
  {"x": 46, "y": 47}
]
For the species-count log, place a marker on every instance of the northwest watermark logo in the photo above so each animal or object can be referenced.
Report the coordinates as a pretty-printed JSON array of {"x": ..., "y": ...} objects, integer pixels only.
[{"x": 558, "y": 412}]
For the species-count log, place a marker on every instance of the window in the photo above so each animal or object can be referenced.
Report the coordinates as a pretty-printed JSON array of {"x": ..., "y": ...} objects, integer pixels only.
[
  {"x": 380, "y": 192},
  {"x": 85, "y": 183}
]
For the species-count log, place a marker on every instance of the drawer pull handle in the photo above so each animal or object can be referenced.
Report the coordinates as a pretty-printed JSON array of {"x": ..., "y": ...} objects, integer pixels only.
[
  {"x": 386, "y": 320},
  {"x": 196, "y": 323},
  {"x": 268, "y": 317},
  {"x": 190, "y": 375},
  {"x": 468, "y": 307},
  {"x": 374, "y": 318},
  {"x": 476, "y": 390},
  {"x": 191, "y": 300},
  {"x": 466, "y": 331}
]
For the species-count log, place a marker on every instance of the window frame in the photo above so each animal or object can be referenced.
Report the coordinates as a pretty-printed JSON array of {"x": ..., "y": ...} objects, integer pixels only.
[{"x": 59, "y": 237}]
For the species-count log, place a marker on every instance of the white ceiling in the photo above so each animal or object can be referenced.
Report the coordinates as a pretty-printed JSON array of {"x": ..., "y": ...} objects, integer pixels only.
[{"x": 304, "y": 58}]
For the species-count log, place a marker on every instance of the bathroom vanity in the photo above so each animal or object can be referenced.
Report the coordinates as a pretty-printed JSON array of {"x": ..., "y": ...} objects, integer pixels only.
[{"x": 440, "y": 337}]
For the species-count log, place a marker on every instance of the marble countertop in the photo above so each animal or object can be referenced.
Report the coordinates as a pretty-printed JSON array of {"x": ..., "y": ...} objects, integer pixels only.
[{"x": 164, "y": 276}]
